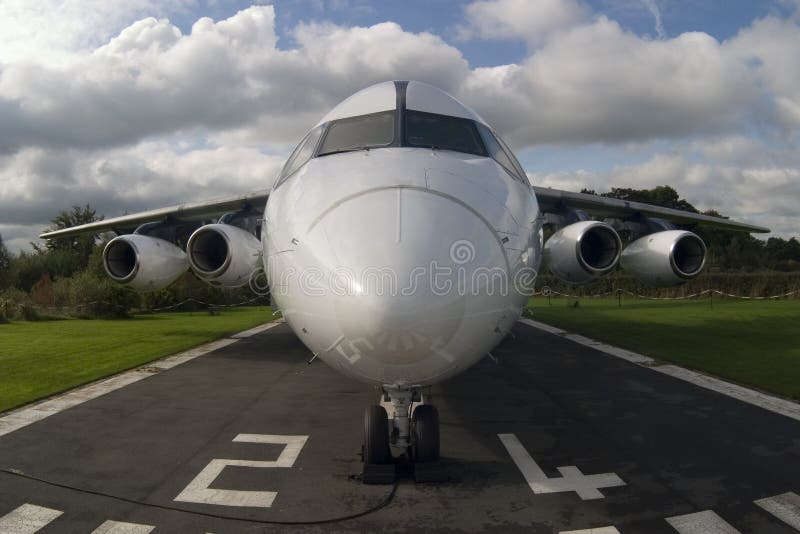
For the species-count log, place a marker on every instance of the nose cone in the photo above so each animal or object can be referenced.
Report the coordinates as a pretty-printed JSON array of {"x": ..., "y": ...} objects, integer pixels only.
[{"x": 408, "y": 272}]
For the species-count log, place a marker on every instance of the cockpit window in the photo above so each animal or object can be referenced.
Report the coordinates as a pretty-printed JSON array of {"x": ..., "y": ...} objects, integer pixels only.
[
  {"x": 502, "y": 154},
  {"x": 301, "y": 154},
  {"x": 443, "y": 132},
  {"x": 513, "y": 159},
  {"x": 357, "y": 133}
]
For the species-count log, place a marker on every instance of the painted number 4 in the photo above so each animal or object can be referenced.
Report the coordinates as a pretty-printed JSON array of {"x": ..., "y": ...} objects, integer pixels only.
[
  {"x": 586, "y": 486},
  {"x": 198, "y": 490}
]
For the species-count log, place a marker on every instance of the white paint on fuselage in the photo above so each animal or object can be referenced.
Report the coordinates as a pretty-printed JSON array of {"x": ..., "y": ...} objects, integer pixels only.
[{"x": 400, "y": 210}]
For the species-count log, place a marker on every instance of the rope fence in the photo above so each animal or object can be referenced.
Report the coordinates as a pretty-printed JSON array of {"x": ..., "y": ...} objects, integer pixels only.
[
  {"x": 547, "y": 292},
  {"x": 76, "y": 307}
]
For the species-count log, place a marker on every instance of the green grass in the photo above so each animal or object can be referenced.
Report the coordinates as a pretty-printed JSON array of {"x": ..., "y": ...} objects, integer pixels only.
[
  {"x": 756, "y": 343},
  {"x": 38, "y": 359}
]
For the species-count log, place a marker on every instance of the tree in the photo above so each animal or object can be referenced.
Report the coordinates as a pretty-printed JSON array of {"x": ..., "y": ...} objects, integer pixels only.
[
  {"x": 5, "y": 264},
  {"x": 82, "y": 245},
  {"x": 662, "y": 195}
]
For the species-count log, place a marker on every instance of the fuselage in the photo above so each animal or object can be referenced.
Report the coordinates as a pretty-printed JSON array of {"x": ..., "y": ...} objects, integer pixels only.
[{"x": 401, "y": 261}]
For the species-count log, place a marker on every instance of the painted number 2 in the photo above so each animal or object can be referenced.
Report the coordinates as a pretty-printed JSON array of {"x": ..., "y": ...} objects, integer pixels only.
[{"x": 198, "y": 490}]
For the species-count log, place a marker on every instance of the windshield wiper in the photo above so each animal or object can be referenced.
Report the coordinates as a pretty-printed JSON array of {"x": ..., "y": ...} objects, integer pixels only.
[{"x": 343, "y": 150}]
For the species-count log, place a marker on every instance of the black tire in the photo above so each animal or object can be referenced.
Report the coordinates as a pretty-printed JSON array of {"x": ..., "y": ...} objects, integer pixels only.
[
  {"x": 376, "y": 436},
  {"x": 425, "y": 433}
]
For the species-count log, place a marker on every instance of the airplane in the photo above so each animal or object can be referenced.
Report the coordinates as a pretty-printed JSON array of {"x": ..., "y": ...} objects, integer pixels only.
[{"x": 401, "y": 242}]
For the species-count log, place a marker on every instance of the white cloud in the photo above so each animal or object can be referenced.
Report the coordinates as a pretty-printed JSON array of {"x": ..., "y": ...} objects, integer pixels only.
[
  {"x": 652, "y": 7},
  {"x": 589, "y": 81},
  {"x": 597, "y": 82},
  {"x": 533, "y": 22},
  {"x": 151, "y": 80},
  {"x": 54, "y": 30},
  {"x": 770, "y": 47},
  {"x": 35, "y": 183}
]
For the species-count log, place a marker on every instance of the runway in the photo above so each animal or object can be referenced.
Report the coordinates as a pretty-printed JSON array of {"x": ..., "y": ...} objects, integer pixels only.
[{"x": 552, "y": 437}]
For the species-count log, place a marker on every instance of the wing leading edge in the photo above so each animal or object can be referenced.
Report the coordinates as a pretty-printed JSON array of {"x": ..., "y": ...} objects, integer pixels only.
[
  {"x": 183, "y": 212},
  {"x": 549, "y": 200},
  {"x": 554, "y": 199}
]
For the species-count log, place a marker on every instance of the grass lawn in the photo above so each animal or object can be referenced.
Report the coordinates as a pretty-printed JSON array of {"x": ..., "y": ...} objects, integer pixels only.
[
  {"x": 38, "y": 359},
  {"x": 755, "y": 343}
]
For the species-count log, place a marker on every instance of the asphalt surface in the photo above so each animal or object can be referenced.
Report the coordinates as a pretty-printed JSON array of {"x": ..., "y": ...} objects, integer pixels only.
[{"x": 127, "y": 455}]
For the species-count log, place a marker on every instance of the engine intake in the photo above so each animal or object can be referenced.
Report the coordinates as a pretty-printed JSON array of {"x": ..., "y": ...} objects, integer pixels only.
[
  {"x": 666, "y": 258},
  {"x": 224, "y": 255},
  {"x": 142, "y": 262},
  {"x": 583, "y": 252}
]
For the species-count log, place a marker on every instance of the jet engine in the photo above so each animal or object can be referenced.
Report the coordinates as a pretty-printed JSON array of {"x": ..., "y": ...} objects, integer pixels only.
[
  {"x": 143, "y": 262},
  {"x": 583, "y": 251},
  {"x": 224, "y": 255},
  {"x": 665, "y": 258}
]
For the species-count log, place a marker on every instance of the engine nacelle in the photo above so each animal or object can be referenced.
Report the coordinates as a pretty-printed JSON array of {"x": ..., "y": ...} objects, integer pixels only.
[
  {"x": 583, "y": 252},
  {"x": 665, "y": 258},
  {"x": 142, "y": 262},
  {"x": 224, "y": 255}
]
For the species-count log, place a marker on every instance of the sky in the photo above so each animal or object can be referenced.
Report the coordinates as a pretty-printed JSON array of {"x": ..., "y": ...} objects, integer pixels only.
[{"x": 146, "y": 103}]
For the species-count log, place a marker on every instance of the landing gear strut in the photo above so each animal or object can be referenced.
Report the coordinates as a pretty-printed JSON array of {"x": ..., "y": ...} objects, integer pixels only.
[{"x": 415, "y": 434}]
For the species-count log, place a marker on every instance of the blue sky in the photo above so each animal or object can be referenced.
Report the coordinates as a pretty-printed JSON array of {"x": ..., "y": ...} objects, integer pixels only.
[{"x": 144, "y": 103}]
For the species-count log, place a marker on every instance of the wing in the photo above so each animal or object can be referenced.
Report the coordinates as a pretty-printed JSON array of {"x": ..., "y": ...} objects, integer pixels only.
[
  {"x": 553, "y": 200},
  {"x": 195, "y": 212}
]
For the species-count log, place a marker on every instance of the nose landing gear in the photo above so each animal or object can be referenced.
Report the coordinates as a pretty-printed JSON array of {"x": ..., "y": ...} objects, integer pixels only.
[{"x": 415, "y": 432}]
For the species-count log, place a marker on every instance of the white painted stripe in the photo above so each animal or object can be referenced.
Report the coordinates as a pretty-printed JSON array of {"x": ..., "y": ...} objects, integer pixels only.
[
  {"x": 598, "y": 345},
  {"x": 706, "y": 522},
  {"x": 600, "y": 530},
  {"x": 32, "y": 413},
  {"x": 756, "y": 398},
  {"x": 27, "y": 519},
  {"x": 257, "y": 329},
  {"x": 785, "y": 507},
  {"x": 118, "y": 527}
]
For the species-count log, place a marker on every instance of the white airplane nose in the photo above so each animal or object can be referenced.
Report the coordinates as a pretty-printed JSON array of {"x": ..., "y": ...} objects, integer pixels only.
[{"x": 409, "y": 272}]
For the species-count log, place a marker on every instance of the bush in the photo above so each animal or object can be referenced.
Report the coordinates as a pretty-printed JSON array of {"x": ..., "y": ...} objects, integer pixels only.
[
  {"x": 12, "y": 302},
  {"x": 94, "y": 297},
  {"x": 28, "y": 312},
  {"x": 62, "y": 293},
  {"x": 189, "y": 287}
]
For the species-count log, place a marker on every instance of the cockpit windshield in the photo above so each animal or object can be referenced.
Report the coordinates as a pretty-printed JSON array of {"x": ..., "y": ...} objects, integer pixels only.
[
  {"x": 443, "y": 132},
  {"x": 357, "y": 133},
  {"x": 416, "y": 129}
]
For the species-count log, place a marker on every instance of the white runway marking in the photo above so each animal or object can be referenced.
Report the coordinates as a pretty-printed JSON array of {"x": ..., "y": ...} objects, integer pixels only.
[
  {"x": 600, "y": 530},
  {"x": 118, "y": 527},
  {"x": 27, "y": 519},
  {"x": 586, "y": 486},
  {"x": 198, "y": 490},
  {"x": 785, "y": 507},
  {"x": 706, "y": 522},
  {"x": 768, "y": 402},
  {"x": 32, "y": 413}
]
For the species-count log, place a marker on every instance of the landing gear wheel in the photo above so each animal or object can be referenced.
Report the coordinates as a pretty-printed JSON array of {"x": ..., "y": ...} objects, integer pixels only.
[
  {"x": 425, "y": 434},
  {"x": 376, "y": 435},
  {"x": 378, "y": 463}
]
